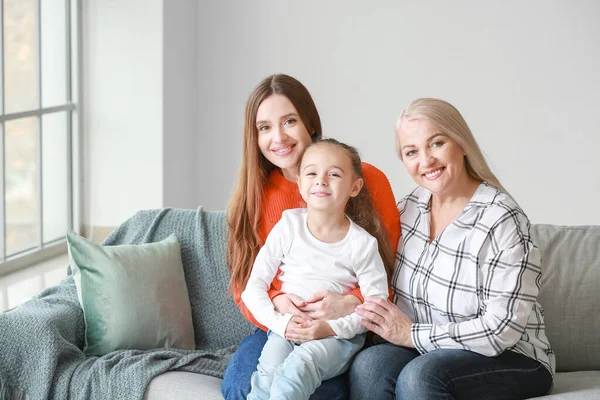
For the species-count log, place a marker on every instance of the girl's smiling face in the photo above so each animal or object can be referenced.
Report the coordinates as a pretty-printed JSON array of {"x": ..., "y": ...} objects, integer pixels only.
[{"x": 326, "y": 179}]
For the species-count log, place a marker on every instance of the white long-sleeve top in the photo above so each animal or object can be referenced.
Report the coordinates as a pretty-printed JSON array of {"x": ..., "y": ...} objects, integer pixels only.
[
  {"x": 309, "y": 265},
  {"x": 475, "y": 286}
]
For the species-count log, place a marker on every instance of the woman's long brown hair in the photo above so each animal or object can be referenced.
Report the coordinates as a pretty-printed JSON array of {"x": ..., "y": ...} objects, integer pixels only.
[
  {"x": 360, "y": 209},
  {"x": 244, "y": 209}
]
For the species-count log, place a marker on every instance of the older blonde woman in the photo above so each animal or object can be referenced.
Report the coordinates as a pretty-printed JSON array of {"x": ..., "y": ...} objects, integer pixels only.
[{"x": 465, "y": 323}]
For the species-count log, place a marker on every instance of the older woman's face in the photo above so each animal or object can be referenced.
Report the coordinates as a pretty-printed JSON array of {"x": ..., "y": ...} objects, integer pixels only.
[{"x": 433, "y": 160}]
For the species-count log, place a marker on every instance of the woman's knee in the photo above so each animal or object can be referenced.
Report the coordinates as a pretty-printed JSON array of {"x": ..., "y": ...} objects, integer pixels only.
[
  {"x": 241, "y": 366},
  {"x": 373, "y": 373},
  {"x": 420, "y": 378},
  {"x": 364, "y": 365}
]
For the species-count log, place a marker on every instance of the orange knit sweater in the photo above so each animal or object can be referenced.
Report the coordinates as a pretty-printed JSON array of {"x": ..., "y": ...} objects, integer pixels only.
[{"x": 280, "y": 195}]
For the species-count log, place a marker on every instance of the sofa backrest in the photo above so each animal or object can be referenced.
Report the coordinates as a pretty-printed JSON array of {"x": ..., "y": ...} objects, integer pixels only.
[{"x": 570, "y": 293}]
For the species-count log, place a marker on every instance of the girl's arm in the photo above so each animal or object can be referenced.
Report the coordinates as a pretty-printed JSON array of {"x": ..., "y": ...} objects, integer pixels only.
[
  {"x": 268, "y": 260},
  {"x": 372, "y": 281}
]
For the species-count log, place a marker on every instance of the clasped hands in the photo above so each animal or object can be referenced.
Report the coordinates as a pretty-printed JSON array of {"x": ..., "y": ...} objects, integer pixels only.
[
  {"x": 309, "y": 321},
  {"x": 310, "y": 317}
]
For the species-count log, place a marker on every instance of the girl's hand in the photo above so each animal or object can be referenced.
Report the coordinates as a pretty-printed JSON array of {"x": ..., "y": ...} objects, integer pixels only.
[
  {"x": 329, "y": 305},
  {"x": 287, "y": 303},
  {"x": 385, "y": 319},
  {"x": 294, "y": 323},
  {"x": 308, "y": 330}
]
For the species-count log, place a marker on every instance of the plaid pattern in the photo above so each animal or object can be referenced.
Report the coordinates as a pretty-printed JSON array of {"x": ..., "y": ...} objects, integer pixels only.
[{"x": 474, "y": 287}]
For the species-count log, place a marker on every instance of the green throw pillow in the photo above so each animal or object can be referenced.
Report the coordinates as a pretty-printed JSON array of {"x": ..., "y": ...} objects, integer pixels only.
[{"x": 133, "y": 296}]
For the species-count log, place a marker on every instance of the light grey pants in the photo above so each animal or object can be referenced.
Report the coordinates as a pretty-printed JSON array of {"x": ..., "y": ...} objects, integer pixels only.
[{"x": 294, "y": 371}]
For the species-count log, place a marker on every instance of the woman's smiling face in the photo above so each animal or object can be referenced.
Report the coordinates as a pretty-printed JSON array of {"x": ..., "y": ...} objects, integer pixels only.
[
  {"x": 433, "y": 160},
  {"x": 282, "y": 136}
]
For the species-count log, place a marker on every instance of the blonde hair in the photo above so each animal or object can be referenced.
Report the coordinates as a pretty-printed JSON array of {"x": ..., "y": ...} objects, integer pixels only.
[
  {"x": 245, "y": 207},
  {"x": 449, "y": 120},
  {"x": 360, "y": 208}
]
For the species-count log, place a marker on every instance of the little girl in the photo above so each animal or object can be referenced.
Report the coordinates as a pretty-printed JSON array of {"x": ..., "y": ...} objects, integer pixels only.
[{"x": 330, "y": 245}]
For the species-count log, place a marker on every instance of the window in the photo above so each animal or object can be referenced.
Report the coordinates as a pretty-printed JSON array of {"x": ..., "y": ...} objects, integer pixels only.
[{"x": 39, "y": 129}]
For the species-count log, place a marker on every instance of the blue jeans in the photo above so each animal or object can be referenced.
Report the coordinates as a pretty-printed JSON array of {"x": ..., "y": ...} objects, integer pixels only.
[
  {"x": 294, "y": 371},
  {"x": 387, "y": 371},
  {"x": 236, "y": 381}
]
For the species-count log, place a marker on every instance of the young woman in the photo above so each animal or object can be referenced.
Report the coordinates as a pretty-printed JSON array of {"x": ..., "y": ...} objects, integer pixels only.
[
  {"x": 281, "y": 120},
  {"x": 465, "y": 323},
  {"x": 326, "y": 246}
]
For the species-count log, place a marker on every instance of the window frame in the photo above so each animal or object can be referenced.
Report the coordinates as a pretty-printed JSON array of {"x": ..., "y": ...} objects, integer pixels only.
[{"x": 74, "y": 125}]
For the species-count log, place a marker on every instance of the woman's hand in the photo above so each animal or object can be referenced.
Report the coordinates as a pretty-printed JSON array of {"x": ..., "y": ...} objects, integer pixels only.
[
  {"x": 329, "y": 305},
  {"x": 299, "y": 331},
  {"x": 385, "y": 319},
  {"x": 287, "y": 303}
]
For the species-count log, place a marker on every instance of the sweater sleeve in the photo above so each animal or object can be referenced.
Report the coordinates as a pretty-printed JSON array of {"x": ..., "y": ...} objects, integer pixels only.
[
  {"x": 237, "y": 297},
  {"x": 265, "y": 268},
  {"x": 383, "y": 201}
]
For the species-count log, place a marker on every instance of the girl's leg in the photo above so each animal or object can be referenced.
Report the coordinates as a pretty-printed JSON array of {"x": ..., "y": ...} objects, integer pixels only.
[
  {"x": 236, "y": 381},
  {"x": 375, "y": 370},
  {"x": 274, "y": 353},
  {"x": 461, "y": 374},
  {"x": 310, "y": 363}
]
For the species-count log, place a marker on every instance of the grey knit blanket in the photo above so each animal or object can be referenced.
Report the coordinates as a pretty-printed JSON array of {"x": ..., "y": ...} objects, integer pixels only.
[{"x": 41, "y": 341}]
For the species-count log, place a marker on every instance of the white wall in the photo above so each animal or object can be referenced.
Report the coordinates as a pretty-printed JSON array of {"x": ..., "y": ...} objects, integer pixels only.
[
  {"x": 165, "y": 84},
  {"x": 524, "y": 75},
  {"x": 180, "y": 104},
  {"x": 140, "y": 103},
  {"x": 123, "y": 108}
]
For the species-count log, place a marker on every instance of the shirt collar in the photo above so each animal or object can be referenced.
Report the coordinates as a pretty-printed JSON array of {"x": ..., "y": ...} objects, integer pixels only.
[{"x": 485, "y": 194}]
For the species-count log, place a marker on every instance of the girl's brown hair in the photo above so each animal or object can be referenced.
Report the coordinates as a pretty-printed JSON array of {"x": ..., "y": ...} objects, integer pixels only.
[
  {"x": 244, "y": 209},
  {"x": 360, "y": 209}
]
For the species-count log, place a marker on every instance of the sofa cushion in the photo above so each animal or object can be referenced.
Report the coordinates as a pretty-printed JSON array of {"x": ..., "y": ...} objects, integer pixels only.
[
  {"x": 570, "y": 293},
  {"x": 132, "y": 296},
  {"x": 218, "y": 322},
  {"x": 583, "y": 385},
  {"x": 178, "y": 385}
]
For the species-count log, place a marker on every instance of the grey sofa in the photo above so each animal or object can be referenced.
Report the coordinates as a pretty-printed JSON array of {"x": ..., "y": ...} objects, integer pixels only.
[
  {"x": 41, "y": 341},
  {"x": 570, "y": 296}
]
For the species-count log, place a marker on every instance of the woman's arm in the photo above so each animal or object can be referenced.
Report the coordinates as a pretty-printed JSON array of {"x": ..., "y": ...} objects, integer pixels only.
[
  {"x": 328, "y": 305},
  {"x": 237, "y": 297},
  {"x": 384, "y": 318},
  {"x": 510, "y": 280},
  {"x": 510, "y": 276}
]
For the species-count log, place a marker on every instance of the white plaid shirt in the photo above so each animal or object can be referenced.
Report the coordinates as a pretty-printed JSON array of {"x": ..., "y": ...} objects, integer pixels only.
[{"x": 475, "y": 286}]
